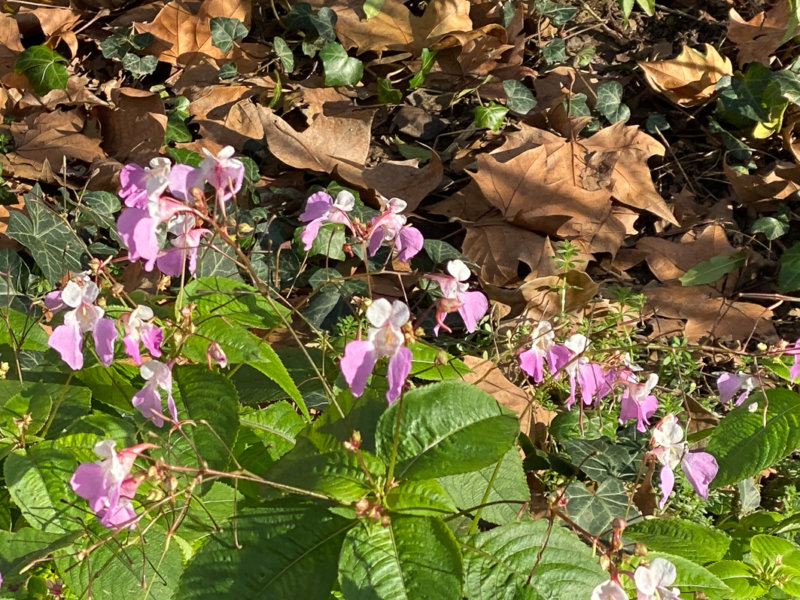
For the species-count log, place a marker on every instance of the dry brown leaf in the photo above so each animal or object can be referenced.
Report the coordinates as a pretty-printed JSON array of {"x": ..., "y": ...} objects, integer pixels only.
[
  {"x": 467, "y": 205},
  {"x": 759, "y": 190},
  {"x": 790, "y": 133},
  {"x": 758, "y": 38},
  {"x": 75, "y": 94},
  {"x": 533, "y": 419},
  {"x": 55, "y": 137},
  {"x": 10, "y": 43},
  {"x": 689, "y": 78},
  {"x": 395, "y": 27},
  {"x": 134, "y": 130},
  {"x": 670, "y": 260},
  {"x": 498, "y": 249},
  {"x": 540, "y": 298},
  {"x": 241, "y": 122},
  {"x": 708, "y": 314}
]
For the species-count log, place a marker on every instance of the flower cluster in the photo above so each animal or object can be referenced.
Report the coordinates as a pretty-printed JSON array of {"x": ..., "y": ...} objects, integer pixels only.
[{"x": 653, "y": 582}]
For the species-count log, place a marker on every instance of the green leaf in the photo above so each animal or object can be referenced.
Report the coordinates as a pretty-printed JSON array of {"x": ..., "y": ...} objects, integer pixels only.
[
  {"x": 284, "y": 53},
  {"x": 742, "y": 95},
  {"x": 337, "y": 474},
  {"x": 740, "y": 577},
  {"x": 497, "y": 563},
  {"x": 372, "y": 8},
  {"x": 425, "y": 498},
  {"x": 769, "y": 551},
  {"x": 712, "y": 269},
  {"x": 745, "y": 442},
  {"x": 176, "y": 130},
  {"x": 139, "y": 66},
  {"x": 428, "y": 58},
  {"x": 506, "y": 484},
  {"x": 276, "y": 426},
  {"x": 693, "y": 541},
  {"x": 184, "y": 156},
  {"x": 518, "y": 97},
  {"x": 19, "y": 548},
  {"x": 228, "y": 70},
  {"x": 490, "y": 117},
  {"x": 212, "y": 403},
  {"x": 225, "y": 31},
  {"x": 39, "y": 399},
  {"x": 789, "y": 273},
  {"x": 340, "y": 69},
  {"x": 559, "y": 13},
  {"x": 794, "y": 20},
  {"x": 601, "y": 458},
  {"x": 445, "y": 429},
  {"x": 386, "y": 93},
  {"x": 434, "y": 364},
  {"x": 27, "y": 332},
  {"x": 234, "y": 301},
  {"x": 772, "y": 227},
  {"x": 52, "y": 243},
  {"x": 692, "y": 577},
  {"x": 656, "y": 122},
  {"x": 554, "y": 51},
  {"x": 44, "y": 69},
  {"x": 13, "y": 280},
  {"x": 414, "y": 558},
  {"x": 270, "y": 364},
  {"x": 609, "y": 102},
  {"x": 100, "y": 208},
  {"x": 593, "y": 510}
]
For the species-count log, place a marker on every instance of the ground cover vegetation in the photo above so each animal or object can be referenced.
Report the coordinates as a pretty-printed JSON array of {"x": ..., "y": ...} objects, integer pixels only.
[{"x": 424, "y": 300}]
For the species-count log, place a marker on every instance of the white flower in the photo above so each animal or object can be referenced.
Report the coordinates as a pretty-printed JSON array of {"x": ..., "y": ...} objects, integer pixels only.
[{"x": 652, "y": 583}]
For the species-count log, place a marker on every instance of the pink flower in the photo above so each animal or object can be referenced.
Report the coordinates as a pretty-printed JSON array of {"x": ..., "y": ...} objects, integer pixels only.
[
  {"x": 391, "y": 228},
  {"x": 637, "y": 402},
  {"x": 384, "y": 338},
  {"x": 321, "y": 209},
  {"x": 456, "y": 297},
  {"x": 138, "y": 228},
  {"x": 671, "y": 450},
  {"x": 108, "y": 484},
  {"x": 138, "y": 185},
  {"x": 140, "y": 329},
  {"x": 543, "y": 350},
  {"x": 223, "y": 172},
  {"x": 591, "y": 378},
  {"x": 728, "y": 384},
  {"x": 148, "y": 400},
  {"x": 185, "y": 239},
  {"x": 215, "y": 354},
  {"x": 609, "y": 590},
  {"x": 653, "y": 582},
  {"x": 80, "y": 294}
]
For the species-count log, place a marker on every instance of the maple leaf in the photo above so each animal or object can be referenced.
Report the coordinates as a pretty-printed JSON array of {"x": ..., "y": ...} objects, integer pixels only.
[
  {"x": 759, "y": 37},
  {"x": 395, "y": 27},
  {"x": 55, "y": 137},
  {"x": 689, "y": 78},
  {"x": 779, "y": 183},
  {"x": 134, "y": 129}
]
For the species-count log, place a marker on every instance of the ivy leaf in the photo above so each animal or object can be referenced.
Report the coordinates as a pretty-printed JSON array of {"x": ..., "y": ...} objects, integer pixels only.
[
  {"x": 519, "y": 98},
  {"x": 372, "y": 8},
  {"x": 228, "y": 70},
  {"x": 712, "y": 269},
  {"x": 772, "y": 227},
  {"x": 437, "y": 423},
  {"x": 340, "y": 69},
  {"x": 284, "y": 53},
  {"x": 609, "y": 102},
  {"x": 594, "y": 510},
  {"x": 388, "y": 94},
  {"x": 745, "y": 442},
  {"x": 225, "y": 31},
  {"x": 691, "y": 540},
  {"x": 44, "y": 69},
  {"x": 559, "y": 13},
  {"x": 490, "y": 117},
  {"x": 789, "y": 273},
  {"x": 428, "y": 58},
  {"x": 414, "y": 558},
  {"x": 555, "y": 51},
  {"x": 139, "y": 66}
]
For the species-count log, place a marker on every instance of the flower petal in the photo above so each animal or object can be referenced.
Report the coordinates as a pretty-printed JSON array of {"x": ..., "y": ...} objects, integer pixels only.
[
  {"x": 357, "y": 363},
  {"x": 399, "y": 368},
  {"x": 67, "y": 340},
  {"x": 700, "y": 469}
]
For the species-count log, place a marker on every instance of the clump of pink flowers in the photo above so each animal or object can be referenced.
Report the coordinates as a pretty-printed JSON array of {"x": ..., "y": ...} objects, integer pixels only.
[{"x": 456, "y": 297}]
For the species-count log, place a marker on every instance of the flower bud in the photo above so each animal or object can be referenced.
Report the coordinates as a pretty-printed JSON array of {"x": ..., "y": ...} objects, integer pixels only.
[{"x": 216, "y": 355}]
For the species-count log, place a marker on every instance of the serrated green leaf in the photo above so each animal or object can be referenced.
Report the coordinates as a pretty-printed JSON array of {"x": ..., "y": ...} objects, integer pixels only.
[
  {"x": 225, "y": 31},
  {"x": 434, "y": 364},
  {"x": 44, "y": 69},
  {"x": 497, "y": 563},
  {"x": 20, "y": 548},
  {"x": 284, "y": 53},
  {"x": 445, "y": 429},
  {"x": 789, "y": 273},
  {"x": 740, "y": 577},
  {"x": 506, "y": 484},
  {"x": 285, "y": 551},
  {"x": 712, "y": 269},
  {"x": 518, "y": 97},
  {"x": 609, "y": 102},
  {"x": 693, "y": 541},
  {"x": 270, "y": 364},
  {"x": 340, "y": 69},
  {"x": 235, "y": 301},
  {"x": 745, "y": 442},
  {"x": 490, "y": 117},
  {"x": 428, "y": 58},
  {"x": 425, "y": 498},
  {"x": 414, "y": 558},
  {"x": 52, "y": 243}
]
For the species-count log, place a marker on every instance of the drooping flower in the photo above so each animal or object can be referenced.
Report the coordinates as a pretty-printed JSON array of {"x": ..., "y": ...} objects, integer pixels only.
[
  {"x": 653, "y": 582},
  {"x": 223, "y": 172},
  {"x": 609, "y": 590},
  {"x": 391, "y": 228},
  {"x": 728, "y": 384},
  {"x": 671, "y": 450},
  {"x": 108, "y": 484},
  {"x": 185, "y": 239},
  {"x": 457, "y": 297},
  {"x": 594, "y": 382},
  {"x": 321, "y": 208},
  {"x": 138, "y": 185},
  {"x": 384, "y": 338},
  {"x": 138, "y": 228},
  {"x": 158, "y": 376},
  {"x": 543, "y": 349},
  {"x": 216, "y": 355},
  {"x": 637, "y": 401},
  {"x": 80, "y": 294},
  {"x": 139, "y": 329}
]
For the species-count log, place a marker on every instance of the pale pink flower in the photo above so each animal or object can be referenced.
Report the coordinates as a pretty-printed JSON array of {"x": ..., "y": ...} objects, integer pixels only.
[
  {"x": 139, "y": 329},
  {"x": 609, "y": 590},
  {"x": 140, "y": 185},
  {"x": 671, "y": 450},
  {"x": 158, "y": 376},
  {"x": 321, "y": 208},
  {"x": 728, "y": 384},
  {"x": 108, "y": 484},
  {"x": 637, "y": 401},
  {"x": 138, "y": 228},
  {"x": 185, "y": 239},
  {"x": 223, "y": 172},
  {"x": 594, "y": 382},
  {"x": 457, "y": 297},
  {"x": 391, "y": 228},
  {"x": 384, "y": 338},
  {"x": 216, "y": 355},
  {"x": 80, "y": 294},
  {"x": 653, "y": 582},
  {"x": 543, "y": 349}
]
